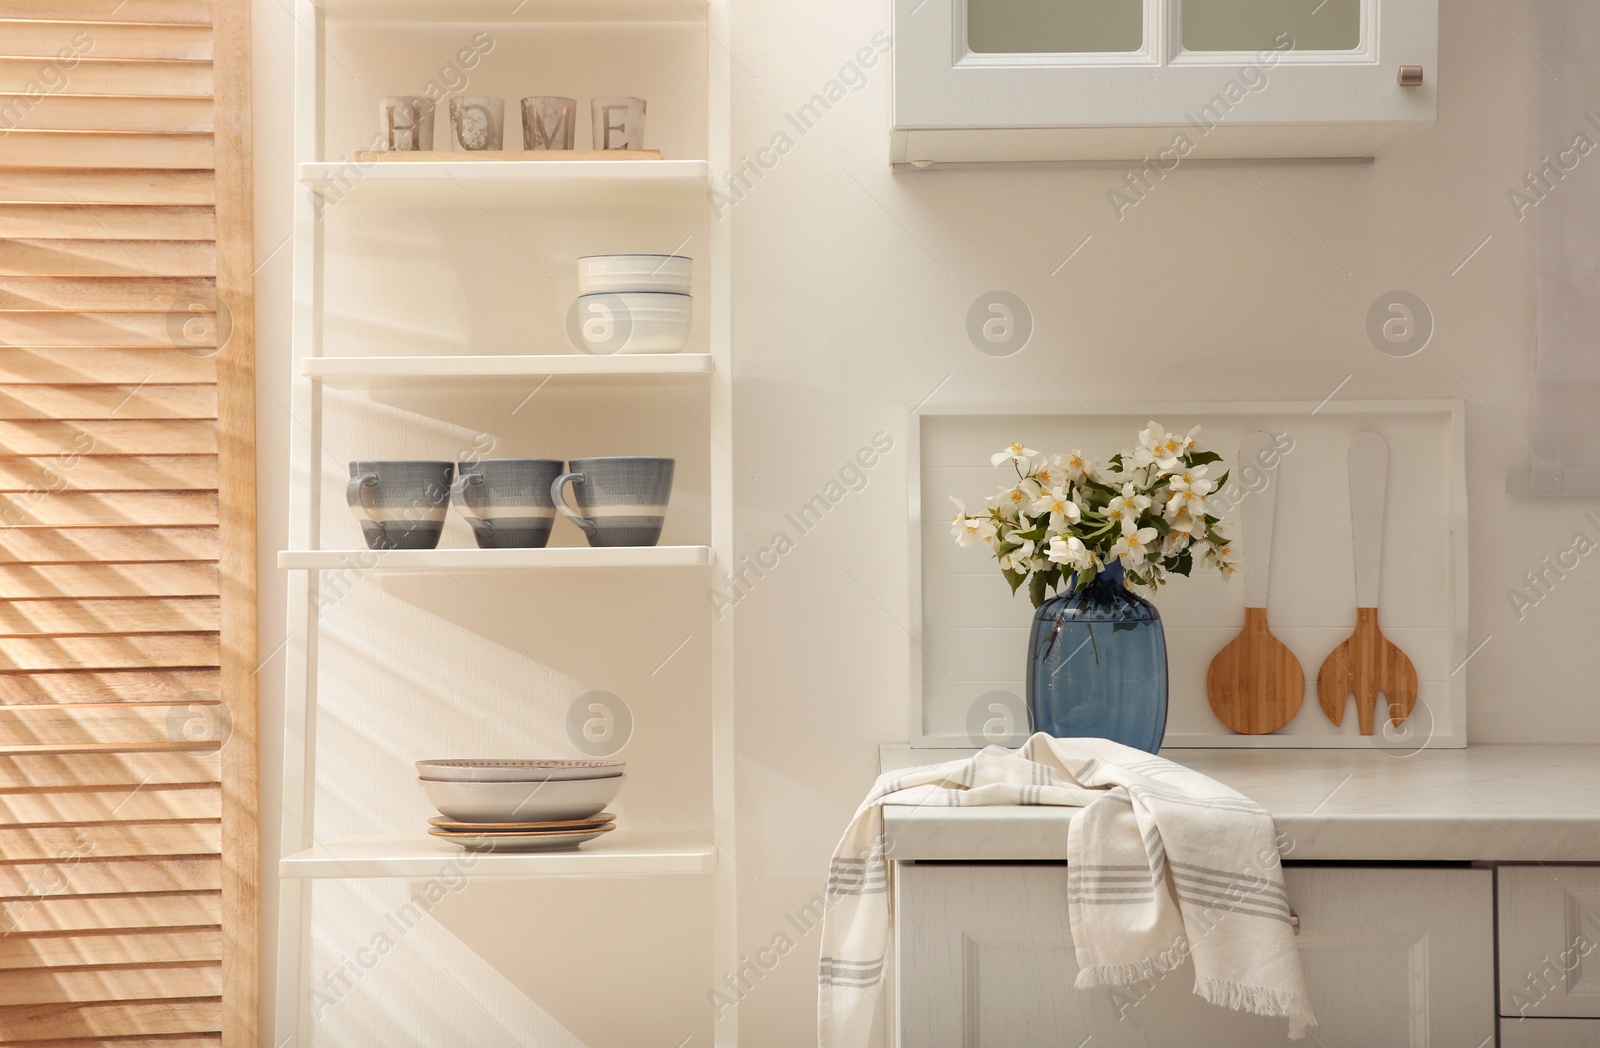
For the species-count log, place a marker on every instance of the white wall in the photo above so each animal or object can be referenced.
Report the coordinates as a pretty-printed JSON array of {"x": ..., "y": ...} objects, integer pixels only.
[{"x": 852, "y": 285}]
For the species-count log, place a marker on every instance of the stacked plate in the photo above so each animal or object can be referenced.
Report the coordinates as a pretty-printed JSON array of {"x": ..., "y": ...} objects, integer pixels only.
[{"x": 521, "y": 805}]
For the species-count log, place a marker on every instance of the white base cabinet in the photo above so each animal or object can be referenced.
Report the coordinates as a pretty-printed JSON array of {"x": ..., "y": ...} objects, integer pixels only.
[
  {"x": 1550, "y": 1033},
  {"x": 1395, "y": 957},
  {"x": 1550, "y": 943}
]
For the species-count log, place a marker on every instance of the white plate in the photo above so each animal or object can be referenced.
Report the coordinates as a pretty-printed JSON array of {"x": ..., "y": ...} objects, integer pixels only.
[
  {"x": 566, "y": 825},
  {"x": 555, "y": 801},
  {"x": 491, "y": 770},
  {"x": 520, "y": 841}
]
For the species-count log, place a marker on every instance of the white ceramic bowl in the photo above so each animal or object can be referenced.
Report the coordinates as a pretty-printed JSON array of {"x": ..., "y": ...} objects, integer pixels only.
[
  {"x": 475, "y": 770},
  {"x": 620, "y": 273},
  {"x": 634, "y": 322},
  {"x": 522, "y": 801}
]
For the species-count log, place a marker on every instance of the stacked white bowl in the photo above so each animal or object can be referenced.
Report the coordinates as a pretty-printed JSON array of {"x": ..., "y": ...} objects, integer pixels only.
[
  {"x": 634, "y": 303},
  {"x": 521, "y": 804}
]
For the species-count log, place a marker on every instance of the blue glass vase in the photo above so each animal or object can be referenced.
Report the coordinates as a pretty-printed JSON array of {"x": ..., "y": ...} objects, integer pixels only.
[{"x": 1097, "y": 665}]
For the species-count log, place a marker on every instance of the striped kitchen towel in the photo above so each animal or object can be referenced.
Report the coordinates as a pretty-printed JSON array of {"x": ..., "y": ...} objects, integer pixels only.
[{"x": 1164, "y": 865}]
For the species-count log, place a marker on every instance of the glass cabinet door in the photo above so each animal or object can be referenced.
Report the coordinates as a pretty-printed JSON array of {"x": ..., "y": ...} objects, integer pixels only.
[
  {"x": 1055, "y": 26},
  {"x": 1256, "y": 25}
]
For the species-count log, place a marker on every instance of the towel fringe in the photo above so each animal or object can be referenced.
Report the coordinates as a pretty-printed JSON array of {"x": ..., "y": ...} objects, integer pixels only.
[
  {"x": 1258, "y": 1000},
  {"x": 1147, "y": 969}
]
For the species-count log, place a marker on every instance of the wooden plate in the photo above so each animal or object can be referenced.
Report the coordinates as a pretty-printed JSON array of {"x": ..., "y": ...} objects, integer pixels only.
[
  {"x": 538, "y": 840},
  {"x": 440, "y": 822}
]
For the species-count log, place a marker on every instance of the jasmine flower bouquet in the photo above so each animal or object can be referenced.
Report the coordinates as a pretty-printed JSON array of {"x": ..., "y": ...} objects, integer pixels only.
[{"x": 1068, "y": 518}]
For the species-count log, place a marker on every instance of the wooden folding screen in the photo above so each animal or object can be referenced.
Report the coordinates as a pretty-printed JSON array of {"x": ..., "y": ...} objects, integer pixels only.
[{"x": 127, "y": 507}]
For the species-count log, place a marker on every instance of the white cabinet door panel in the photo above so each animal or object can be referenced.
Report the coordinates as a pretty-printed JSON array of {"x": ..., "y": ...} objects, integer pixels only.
[
  {"x": 940, "y": 82},
  {"x": 1549, "y": 941},
  {"x": 1550, "y": 1033},
  {"x": 1395, "y": 958}
]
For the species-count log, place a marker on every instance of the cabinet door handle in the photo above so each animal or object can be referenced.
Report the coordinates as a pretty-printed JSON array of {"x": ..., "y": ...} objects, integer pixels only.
[
  {"x": 1410, "y": 76},
  {"x": 1294, "y": 921}
]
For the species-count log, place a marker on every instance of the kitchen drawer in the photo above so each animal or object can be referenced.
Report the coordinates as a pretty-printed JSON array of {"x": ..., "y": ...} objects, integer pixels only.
[
  {"x": 1550, "y": 1033},
  {"x": 1550, "y": 941},
  {"x": 1394, "y": 958}
]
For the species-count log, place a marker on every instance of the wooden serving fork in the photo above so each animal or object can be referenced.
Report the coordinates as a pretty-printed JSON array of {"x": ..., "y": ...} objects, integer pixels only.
[{"x": 1367, "y": 663}]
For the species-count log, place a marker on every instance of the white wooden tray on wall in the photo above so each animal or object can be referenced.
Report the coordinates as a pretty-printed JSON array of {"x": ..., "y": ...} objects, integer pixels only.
[{"x": 969, "y": 634}]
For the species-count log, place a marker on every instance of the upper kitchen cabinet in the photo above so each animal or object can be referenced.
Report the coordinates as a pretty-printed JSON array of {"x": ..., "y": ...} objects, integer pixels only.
[{"x": 1019, "y": 80}]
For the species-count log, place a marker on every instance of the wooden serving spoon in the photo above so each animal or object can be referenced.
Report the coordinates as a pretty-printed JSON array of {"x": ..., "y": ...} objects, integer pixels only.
[
  {"x": 1255, "y": 683},
  {"x": 1367, "y": 663}
]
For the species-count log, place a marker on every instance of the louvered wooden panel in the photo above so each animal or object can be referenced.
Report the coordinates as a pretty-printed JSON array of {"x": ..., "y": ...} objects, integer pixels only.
[
  {"x": 119, "y": 473},
  {"x": 104, "y": 294},
  {"x": 166, "y": 12},
  {"x": 100, "y": 113},
  {"x": 87, "y": 686},
  {"x": 29, "y": 618},
  {"x": 118, "y": 436},
  {"x": 70, "y": 545},
  {"x": 107, "y": 771},
  {"x": 66, "y": 186},
  {"x": 25, "y": 1024},
  {"x": 127, "y": 631},
  {"x": 132, "y": 947}
]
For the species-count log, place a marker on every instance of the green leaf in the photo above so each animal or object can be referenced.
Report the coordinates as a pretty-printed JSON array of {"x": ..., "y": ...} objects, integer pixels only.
[
  {"x": 1184, "y": 564},
  {"x": 1036, "y": 588},
  {"x": 1203, "y": 458},
  {"x": 1016, "y": 578}
]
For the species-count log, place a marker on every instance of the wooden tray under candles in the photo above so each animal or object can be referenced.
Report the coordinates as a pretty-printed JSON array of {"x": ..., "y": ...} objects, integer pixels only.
[{"x": 454, "y": 155}]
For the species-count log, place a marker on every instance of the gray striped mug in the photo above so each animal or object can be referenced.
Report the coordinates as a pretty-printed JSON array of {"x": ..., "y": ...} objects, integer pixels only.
[
  {"x": 620, "y": 501},
  {"x": 507, "y": 501},
  {"x": 401, "y": 505}
]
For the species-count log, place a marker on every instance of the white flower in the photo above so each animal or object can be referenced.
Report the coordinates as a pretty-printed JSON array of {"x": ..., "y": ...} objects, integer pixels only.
[
  {"x": 1182, "y": 522},
  {"x": 1174, "y": 544},
  {"x": 1157, "y": 447},
  {"x": 1063, "y": 511},
  {"x": 1134, "y": 545},
  {"x": 1127, "y": 506},
  {"x": 1009, "y": 501},
  {"x": 1018, "y": 453},
  {"x": 1069, "y": 550},
  {"x": 1018, "y": 559},
  {"x": 1189, "y": 491},
  {"x": 966, "y": 528},
  {"x": 1077, "y": 466},
  {"x": 1187, "y": 443},
  {"x": 1220, "y": 557}
]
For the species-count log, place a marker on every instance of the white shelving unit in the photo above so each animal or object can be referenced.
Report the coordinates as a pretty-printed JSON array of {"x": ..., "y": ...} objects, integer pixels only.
[
  {"x": 423, "y": 560},
  {"x": 467, "y": 372},
  {"x": 515, "y": 11},
  {"x": 471, "y": 183},
  {"x": 707, "y": 851},
  {"x": 421, "y": 856}
]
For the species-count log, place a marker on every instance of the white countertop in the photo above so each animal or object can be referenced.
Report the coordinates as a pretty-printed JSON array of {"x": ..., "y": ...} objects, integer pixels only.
[{"x": 1482, "y": 803}]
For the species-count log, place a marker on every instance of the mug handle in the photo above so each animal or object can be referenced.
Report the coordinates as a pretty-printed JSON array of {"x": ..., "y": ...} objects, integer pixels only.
[
  {"x": 362, "y": 491},
  {"x": 458, "y": 492},
  {"x": 558, "y": 495}
]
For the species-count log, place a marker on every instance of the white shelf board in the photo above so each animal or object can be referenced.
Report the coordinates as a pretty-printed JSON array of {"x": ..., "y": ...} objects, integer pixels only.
[
  {"x": 423, "y": 560},
  {"x": 418, "y": 855},
  {"x": 458, "y": 372},
  {"x": 491, "y": 11},
  {"x": 474, "y": 183}
]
